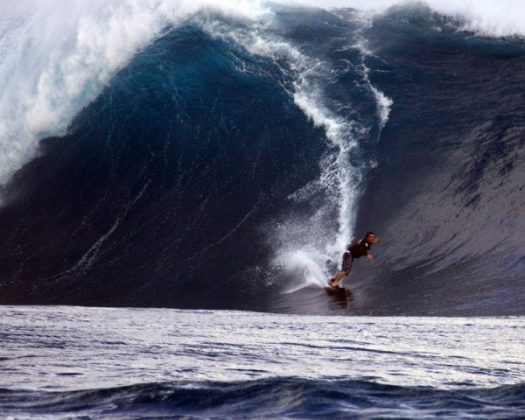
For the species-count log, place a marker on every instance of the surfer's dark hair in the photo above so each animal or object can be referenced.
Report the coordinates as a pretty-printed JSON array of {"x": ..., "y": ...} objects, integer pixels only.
[{"x": 369, "y": 233}]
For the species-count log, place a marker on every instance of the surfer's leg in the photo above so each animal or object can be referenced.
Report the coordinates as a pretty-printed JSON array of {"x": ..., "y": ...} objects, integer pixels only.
[
  {"x": 347, "y": 266},
  {"x": 334, "y": 281}
]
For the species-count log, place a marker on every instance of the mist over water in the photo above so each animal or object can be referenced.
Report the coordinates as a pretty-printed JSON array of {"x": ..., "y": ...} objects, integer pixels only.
[{"x": 221, "y": 155}]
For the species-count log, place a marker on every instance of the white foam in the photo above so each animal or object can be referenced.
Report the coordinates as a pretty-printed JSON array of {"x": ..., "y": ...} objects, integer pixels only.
[
  {"x": 303, "y": 246},
  {"x": 303, "y": 264},
  {"x": 384, "y": 105},
  {"x": 496, "y": 18},
  {"x": 57, "y": 57},
  {"x": 383, "y": 102}
]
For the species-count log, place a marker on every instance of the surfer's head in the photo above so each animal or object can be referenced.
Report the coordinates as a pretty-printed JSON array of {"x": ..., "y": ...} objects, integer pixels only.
[{"x": 371, "y": 237}]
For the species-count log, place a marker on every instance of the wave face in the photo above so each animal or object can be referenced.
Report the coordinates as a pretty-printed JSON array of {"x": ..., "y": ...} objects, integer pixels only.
[
  {"x": 451, "y": 166},
  {"x": 222, "y": 158}
]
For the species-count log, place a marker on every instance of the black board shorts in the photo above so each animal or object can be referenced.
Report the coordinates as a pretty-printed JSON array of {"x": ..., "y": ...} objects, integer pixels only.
[{"x": 347, "y": 264}]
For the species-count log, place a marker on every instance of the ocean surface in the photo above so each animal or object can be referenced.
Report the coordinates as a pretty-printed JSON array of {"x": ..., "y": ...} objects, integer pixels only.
[{"x": 78, "y": 362}]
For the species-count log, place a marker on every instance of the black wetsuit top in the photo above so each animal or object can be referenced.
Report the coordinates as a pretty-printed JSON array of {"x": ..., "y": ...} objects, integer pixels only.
[
  {"x": 356, "y": 251},
  {"x": 360, "y": 249}
]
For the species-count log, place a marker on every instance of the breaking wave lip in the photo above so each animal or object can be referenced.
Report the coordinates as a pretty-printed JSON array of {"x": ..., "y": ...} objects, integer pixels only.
[
  {"x": 54, "y": 65},
  {"x": 59, "y": 57},
  {"x": 483, "y": 17},
  {"x": 268, "y": 397}
]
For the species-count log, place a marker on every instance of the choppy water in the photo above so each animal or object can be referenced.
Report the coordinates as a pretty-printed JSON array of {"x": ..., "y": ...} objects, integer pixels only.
[{"x": 135, "y": 363}]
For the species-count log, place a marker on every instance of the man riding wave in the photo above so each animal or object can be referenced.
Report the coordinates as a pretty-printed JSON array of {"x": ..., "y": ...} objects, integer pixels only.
[{"x": 354, "y": 250}]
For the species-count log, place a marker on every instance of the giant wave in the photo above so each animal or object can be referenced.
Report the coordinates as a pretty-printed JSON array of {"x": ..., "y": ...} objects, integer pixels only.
[{"x": 218, "y": 155}]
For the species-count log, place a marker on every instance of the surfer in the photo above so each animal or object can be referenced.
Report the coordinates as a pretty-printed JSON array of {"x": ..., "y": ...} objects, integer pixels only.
[{"x": 354, "y": 250}]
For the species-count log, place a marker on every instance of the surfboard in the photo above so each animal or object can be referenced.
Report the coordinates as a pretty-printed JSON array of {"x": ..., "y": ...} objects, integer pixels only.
[{"x": 335, "y": 289}]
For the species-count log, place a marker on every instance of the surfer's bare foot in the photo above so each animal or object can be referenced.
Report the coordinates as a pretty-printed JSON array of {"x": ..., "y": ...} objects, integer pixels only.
[{"x": 332, "y": 283}]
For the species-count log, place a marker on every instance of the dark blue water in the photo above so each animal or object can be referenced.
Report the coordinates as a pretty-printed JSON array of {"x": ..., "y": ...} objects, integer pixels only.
[
  {"x": 270, "y": 398},
  {"x": 230, "y": 159},
  {"x": 168, "y": 157}
]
